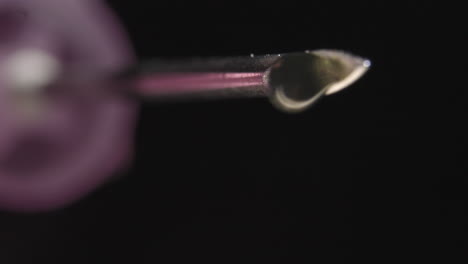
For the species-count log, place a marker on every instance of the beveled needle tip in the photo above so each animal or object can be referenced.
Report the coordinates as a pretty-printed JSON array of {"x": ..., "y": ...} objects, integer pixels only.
[{"x": 297, "y": 80}]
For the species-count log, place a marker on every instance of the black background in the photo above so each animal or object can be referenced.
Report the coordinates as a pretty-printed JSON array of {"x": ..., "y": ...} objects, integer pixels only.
[{"x": 376, "y": 172}]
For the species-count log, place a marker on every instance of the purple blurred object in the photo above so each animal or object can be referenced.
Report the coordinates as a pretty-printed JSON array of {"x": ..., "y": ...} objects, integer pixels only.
[{"x": 75, "y": 143}]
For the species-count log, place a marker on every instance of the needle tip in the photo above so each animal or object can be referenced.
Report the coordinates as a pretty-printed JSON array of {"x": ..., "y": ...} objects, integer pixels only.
[{"x": 298, "y": 80}]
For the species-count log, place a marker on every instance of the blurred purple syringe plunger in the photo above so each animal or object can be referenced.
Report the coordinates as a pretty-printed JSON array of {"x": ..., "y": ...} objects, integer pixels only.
[{"x": 70, "y": 89}]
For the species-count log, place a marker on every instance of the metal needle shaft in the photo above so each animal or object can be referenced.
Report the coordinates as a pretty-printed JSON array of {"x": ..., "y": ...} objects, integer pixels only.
[{"x": 292, "y": 81}]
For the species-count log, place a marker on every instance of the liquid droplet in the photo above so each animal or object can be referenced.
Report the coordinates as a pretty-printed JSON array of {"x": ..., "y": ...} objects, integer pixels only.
[{"x": 298, "y": 80}]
